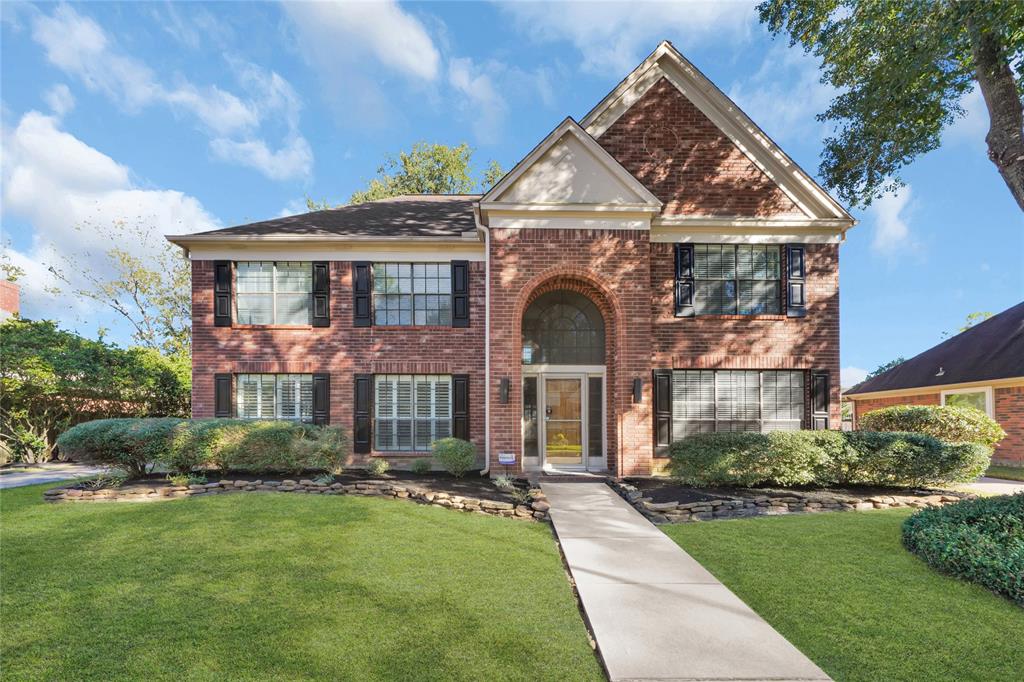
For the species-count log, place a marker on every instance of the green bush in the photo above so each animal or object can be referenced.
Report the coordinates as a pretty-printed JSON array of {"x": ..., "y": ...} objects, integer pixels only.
[
  {"x": 133, "y": 445},
  {"x": 823, "y": 458},
  {"x": 947, "y": 423},
  {"x": 457, "y": 456},
  {"x": 378, "y": 466},
  {"x": 978, "y": 540},
  {"x": 422, "y": 465}
]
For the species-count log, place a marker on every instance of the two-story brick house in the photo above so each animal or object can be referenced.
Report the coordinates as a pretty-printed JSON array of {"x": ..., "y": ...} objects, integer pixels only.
[{"x": 658, "y": 269}]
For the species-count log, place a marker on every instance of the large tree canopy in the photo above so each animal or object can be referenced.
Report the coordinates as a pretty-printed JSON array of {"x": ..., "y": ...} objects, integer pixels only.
[{"x": 902, "y": 69}]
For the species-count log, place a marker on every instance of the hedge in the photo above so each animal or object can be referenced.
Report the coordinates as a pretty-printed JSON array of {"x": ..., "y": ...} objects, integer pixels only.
[
  {"x": 979, "y": 540},
  {"x": 823, "y": 458},
  {"x": 184, "y": 445},
  {"x": 945, "y": 422}
]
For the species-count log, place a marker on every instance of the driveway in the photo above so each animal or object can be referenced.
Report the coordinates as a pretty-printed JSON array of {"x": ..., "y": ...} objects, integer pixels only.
[
  {"x": 50, "y": 472},
  {"x": 994, "y": 486}
]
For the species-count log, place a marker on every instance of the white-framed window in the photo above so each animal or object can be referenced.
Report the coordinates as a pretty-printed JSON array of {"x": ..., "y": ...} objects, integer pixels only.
[
  {"x": 412, "y": 294},
  {"x": 274, "y": 292},
  {"x": 274, "y": 396},
  {"x": 741, "y": 279},
  {"x": 979, "y": 398},
  {"x": 704, "y": 401},
  {"x": 411, "y": 411}
]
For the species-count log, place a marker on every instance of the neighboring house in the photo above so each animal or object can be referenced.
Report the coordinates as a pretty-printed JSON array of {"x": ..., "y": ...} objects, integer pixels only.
[
  {"x": 660, "y": 268},
  {"x": 982, "y": 367},
  {"x": 10, "y": 299}
]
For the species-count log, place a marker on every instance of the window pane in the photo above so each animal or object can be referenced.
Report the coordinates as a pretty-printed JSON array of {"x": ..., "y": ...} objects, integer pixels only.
[
  {"x": 408, "y": 293},
  {"x": 294, "y": 277},
  {"x": 975, "y": 400},
  {"x": 759, "y": 298},
  {"x": 293, "y": 308},
  {"x": 255, "y": 308},
  {"x": 716, "y": 297},
  {"x": 254, "y": 276}
]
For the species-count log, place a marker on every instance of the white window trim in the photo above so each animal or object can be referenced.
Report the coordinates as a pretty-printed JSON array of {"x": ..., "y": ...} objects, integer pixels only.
[{"x": 987, "y": 390}]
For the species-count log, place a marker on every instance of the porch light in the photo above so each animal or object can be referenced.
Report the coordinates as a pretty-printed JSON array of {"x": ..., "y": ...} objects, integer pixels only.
[
  {"x": 638, "y": 390},
  {"x": 503, "y": 391}
]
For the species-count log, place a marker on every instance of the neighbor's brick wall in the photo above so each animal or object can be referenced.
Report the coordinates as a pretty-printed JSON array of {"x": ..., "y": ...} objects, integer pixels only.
[
  {"x": 686, "y": 161},
  {"x": 341, "y": 349},
  {"x": 753, "y": 341},
  {"x": 1009, "y": 412},
  {"x": 863, "y": 406},
  {"x": 10, "y": 303}
]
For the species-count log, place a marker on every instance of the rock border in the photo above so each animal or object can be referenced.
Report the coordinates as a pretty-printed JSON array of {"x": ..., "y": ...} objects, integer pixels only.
[
  {"x": 535, "y": 510},
  {"x": 765, "y": 505}
]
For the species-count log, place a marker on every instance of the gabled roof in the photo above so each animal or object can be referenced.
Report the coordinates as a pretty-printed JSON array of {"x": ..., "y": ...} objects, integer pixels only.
[
  {"x": 569, "y": 169},
  {"x": 667, "y": 62},
  {"x": 988, "y": 351},
  {"x": 408, "y": 216}
]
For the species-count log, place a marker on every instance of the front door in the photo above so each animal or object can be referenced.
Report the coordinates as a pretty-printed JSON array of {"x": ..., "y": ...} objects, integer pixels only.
[{"x": 563, "y": 428}]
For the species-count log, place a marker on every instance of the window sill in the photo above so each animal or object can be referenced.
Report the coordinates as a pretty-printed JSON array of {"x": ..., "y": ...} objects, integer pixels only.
[
  {"x": 296, "y": 327},
  {"x": 401, "y": 453},
  {"x": 740, "y": 317},
  {"x": 413, "y": 327}
]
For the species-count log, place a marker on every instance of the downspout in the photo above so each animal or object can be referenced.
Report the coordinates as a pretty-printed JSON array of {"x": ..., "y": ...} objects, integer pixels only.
[{"x": 487, "y": 340}]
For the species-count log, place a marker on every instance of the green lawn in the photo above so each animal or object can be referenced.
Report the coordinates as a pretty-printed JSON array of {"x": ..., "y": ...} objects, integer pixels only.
[
  {"x": 1010, "y": 473},
  {"x": 843, "y": 589},
  {"x": 281, "y": 587}
]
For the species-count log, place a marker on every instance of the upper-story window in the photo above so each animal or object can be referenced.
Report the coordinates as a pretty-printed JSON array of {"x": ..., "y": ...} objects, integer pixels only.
[
  {"x": 274, "y": 292},
  {"x": 412, "y": 294},
  {"x": 730, "y": 279}
]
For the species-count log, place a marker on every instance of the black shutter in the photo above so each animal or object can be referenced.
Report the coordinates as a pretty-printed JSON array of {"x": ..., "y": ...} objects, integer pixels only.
[
  {"x": 222, "y": 293},
  {"x": 222, "y": 395},
  {"x": 321, "y": 399},
  {"x": 796, "y": 290},
  {"x": 819, "y": 400},
  {"x": 363, "y": 406},
  {"x": 362, "y": 313},
  {"x": 460, "y": 293},
  {"x": 662, "y": 411},
  {"x": 321, "y": 294},
  {"x": 684, "y": 281},
  {"x": 460, "y": 406}
]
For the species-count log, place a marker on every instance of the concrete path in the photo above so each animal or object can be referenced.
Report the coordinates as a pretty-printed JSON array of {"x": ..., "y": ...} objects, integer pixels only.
[
  {"x": 994, "y": 486},
  {"x": 655, "y": 612},
  {"x": 50, "y": 472}
]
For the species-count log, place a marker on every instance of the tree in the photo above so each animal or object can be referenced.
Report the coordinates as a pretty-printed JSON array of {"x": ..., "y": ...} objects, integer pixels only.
[
  {"x": 426, "y": 169},
  {"x": 885, "y": 367},
  {"x": 492, "y": 175},
  {"x": 971, "y": 320},
  {"x": 902, "y": 69}
]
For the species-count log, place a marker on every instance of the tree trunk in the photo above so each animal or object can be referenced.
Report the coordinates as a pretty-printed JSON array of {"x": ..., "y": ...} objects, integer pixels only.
[{"x": 1006, "y": 115}]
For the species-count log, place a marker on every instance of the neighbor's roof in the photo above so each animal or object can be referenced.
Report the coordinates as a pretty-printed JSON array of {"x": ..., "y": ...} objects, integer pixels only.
[
  {"x": 418, "y": 215},
  {"x": 991, "y": 350}
]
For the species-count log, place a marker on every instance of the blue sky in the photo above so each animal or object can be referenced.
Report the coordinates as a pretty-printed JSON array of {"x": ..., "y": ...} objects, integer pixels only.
[{"x": 187, "y": 116}]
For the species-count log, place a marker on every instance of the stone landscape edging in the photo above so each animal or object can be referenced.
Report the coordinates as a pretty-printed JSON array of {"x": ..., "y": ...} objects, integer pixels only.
[
  {"x": 536, "y": 510},
  {"x": 773, "y": 505}
]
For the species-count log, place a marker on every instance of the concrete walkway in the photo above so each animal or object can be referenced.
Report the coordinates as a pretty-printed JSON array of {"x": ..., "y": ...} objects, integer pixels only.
[
  {"x": 51, "y": 472},
  {"x": 655, "y": 612},
  {"x": 994, "y": 486}
]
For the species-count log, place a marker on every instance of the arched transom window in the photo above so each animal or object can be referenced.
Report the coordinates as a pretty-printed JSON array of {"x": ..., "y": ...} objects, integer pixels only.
[{"x": 563, "y": 328}]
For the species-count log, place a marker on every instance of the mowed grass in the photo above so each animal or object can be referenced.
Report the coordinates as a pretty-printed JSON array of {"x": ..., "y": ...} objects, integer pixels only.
[
  {"x": 841, "y": 587},
  {"x": 1006, "y": 472},
  {"x": 295, "y": 587}
]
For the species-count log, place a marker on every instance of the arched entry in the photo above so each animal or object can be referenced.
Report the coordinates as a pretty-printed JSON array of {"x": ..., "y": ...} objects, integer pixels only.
[{"x": 563, "y": 363}]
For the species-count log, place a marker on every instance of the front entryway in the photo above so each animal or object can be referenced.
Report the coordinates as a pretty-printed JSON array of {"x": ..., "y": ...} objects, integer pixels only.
[{"x": 563, "y": 419}]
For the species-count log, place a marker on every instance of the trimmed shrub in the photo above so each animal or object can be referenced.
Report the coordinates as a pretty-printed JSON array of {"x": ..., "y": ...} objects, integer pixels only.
[
  {"x": 422, "y": 465},
  {"x": 378, "y": 466},
  {"x": 133, "y": 445},
  {"x": 978, "y": 540},
  {"x": 457, "y": 456},
  {"x": 951, "y": 424},
  {"x": 823, "y": 458}
]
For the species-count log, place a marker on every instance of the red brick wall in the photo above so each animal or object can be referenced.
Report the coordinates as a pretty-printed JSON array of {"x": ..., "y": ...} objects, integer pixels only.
[
  {"x": 687, "y": 162},
  {"x": 341, "y": 349},
  {"x": 752, "y": 342},
  {"x": 611, "y": 268},
  {"x": 1009, "y": 412},
  {"x": 863, "y": 406},
  {"x": 9, "y": 299}
]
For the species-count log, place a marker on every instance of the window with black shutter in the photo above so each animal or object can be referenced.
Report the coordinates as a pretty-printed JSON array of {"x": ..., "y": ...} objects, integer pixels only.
[
  {"x": 321, "y": 399},
  {"x": 684, "y": 280},
  {"x": 460, "y": 293},
  {"x": 796, "y": 291},
  {"x": 222, "y": 293},
  {"x": 662, "y": 411},
  {"x": 361, "y": 431},
  {"x": 460, "y": 406},
  {"x": 321, "y": 294},
  {"x": 222, "y": 395},
  {"x": 362, "y": 314},
  {"x": 819, "y": 400}
]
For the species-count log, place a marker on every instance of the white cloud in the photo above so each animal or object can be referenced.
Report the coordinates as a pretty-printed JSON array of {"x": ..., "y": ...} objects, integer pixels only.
[
  {"x": 291, "y": 160},
  {"x": 892, "y": 228},
  {"x": 481, "y": 100},
  {"x": 66, "y": 190},
  {"x": 59, "y": 99},
  {"x": 79, "y": 46},
  {"x": 851, "y": 376},
  {"x": 615, "y": 36}
]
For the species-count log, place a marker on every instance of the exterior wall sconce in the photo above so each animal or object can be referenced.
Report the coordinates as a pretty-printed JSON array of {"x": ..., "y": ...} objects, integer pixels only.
[
  {"x": 638, "y": 390},
  {"x": 503, "y": 391}
]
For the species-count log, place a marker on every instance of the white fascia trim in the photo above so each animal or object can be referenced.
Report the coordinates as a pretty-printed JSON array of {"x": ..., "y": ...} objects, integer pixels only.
[
  {"x": 517, "y": 222},
  {"x": 963, "y": 386},
  {"x": 396, "y": 252},
  {"x": 590, "y": 144},
  {"x": 691, "y": 237},
  {"x": 737, "y": 126},
  {"x": 691, "y": 221},
  {"x": 745, "y": 231},
  {"x": 186, "y": 240},
  {"x": 494, "y": 207}
]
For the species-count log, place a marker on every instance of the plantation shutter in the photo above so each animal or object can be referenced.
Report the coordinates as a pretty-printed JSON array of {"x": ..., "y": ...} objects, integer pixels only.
[
  {"x": 662, "y": 411},
  {"x": 362, "y": 313},
  {"x": 796, "y": 291},
  {"x": 684, "y": 281},
  {"x": 222, "y": 395},
  {"x": 222, "y": 293},
  {"x": 460, "y": 406},
  {"x": 363, "y": 403},
  {"x": 819, "y": 400},
  {"x": 321, "y": 399},
  {"x": 460, "y": 293},
  {"x": 321, "y": 294}
]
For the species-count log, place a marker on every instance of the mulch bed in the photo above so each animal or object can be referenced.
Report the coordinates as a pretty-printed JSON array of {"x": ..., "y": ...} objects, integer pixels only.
[{"x": 668, "y": 491}]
